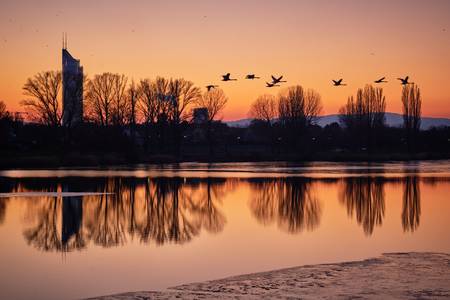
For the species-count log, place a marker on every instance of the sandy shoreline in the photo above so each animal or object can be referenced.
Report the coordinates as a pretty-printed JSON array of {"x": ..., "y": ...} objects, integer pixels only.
[{"x": 391, "y": 276}]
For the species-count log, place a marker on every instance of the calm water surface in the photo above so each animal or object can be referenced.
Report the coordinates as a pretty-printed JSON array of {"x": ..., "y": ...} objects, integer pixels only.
[{"x": 76, "y": 233}]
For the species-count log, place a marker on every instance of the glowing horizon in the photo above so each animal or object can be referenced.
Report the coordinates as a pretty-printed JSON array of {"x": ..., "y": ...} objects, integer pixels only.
[{"x": 310, "y": 43}]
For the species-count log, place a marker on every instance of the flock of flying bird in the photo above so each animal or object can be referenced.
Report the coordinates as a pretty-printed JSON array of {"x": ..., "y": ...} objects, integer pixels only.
[{"x": 277, "y": 80}]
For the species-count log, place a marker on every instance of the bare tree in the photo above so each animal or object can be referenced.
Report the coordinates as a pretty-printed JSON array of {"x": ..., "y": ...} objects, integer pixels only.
[
  {"x": 148, "y": 106},
  {"x": 164, "y": 100},
  {"x": 44, "y": 104},
  {"x": 3, "y": 111},
  {"x": 297, "y": 110},
  {"x": 132, "y": 100},
  {"x": 105, "y": 99},
  {"x": 163, "y": 104},
  {"x": 412, "y": 111},
  {"x": 214, "y": 101},
  {"x": 184, "y": 93},
  {"x": 120, "y": 106},
  {"x": 291, "y": 103},
  {"x": 148, "y": 101},
  {"x": 313, "y": 106},
  {"x": 363, "y": 116},
  {"x": 264, "y": 108},
  {"x": 299, "y": 107}
]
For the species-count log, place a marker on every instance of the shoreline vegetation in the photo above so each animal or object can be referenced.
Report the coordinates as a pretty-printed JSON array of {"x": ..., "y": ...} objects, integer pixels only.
[
  {"x": 32, "y": 161},
  {"x": 167, "y": 120},
  {"x": 414, "y": 275}
]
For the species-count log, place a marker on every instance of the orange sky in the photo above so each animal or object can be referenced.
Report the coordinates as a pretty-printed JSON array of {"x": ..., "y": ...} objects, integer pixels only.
[{"x": 309, "y": 42}]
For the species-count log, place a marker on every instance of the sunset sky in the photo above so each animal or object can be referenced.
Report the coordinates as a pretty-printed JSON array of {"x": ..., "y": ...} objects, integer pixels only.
[{"x": 309, "y": 42}]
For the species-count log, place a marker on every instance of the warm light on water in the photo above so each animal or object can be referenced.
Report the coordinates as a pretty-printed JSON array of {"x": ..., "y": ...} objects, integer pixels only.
[{"x": 81, "y": 233}]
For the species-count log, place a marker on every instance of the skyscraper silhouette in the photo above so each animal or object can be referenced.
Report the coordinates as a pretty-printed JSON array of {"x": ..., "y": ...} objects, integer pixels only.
[{"x": 72, "y": 96}]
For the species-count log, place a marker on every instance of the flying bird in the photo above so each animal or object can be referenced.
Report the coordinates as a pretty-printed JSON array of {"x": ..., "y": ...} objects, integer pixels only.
[
  {"x": 251, "y": 76},
  {"x": 226, "y": 77},
  {"x": 404, "y": 81},
  {"x": 277, "y": 80},
  {"x": 271, "y": 84},
  {"x": 211, "y": 86},
  {"x": 338, "y": 82},
  {"x": 381, "y": 80}
]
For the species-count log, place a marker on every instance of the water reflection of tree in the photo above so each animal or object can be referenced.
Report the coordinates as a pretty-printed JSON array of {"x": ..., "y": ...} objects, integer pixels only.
[
  {"x": 365, "y": 198},
  {"x": 204, "y": 204},
  {"x": 411, "y": 204},
  {"x": 291, "y": 202},
  {"x": 3, "y": 202},
  {"x": 44, "y": 234},
  {"x": 153, "y": 210},
  {"x": 263, "y": 202},
  {"x": 106, "y": 221},
  {"x": 176, "y": 211},
  {"x": 166, "y": 217}
]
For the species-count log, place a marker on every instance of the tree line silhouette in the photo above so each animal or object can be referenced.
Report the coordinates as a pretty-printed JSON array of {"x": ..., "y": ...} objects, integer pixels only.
[
  {"x": 161, "y": 119},
  {"x": 173, "y": 210}
]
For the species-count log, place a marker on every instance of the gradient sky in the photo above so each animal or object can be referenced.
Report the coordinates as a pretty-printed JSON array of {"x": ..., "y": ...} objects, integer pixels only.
[{"x": 309, "y": 42}]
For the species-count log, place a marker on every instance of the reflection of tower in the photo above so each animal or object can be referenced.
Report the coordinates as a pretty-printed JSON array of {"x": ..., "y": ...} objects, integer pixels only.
[
  {"x": 72, "y": 217},
  {"x": 72, "y": 96}
]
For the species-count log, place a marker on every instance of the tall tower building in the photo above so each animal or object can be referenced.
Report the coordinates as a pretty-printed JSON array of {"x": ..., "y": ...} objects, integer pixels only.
[{"x": 72, "y": 85}]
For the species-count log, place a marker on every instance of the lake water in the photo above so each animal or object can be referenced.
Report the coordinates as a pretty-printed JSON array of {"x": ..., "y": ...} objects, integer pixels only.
[{"x": 75, "y": 233}]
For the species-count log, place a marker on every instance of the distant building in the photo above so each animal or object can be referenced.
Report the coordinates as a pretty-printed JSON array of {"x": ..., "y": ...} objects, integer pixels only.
[
  {"x": 72, "y": 85},
  {"x": 200, "y": 115}
]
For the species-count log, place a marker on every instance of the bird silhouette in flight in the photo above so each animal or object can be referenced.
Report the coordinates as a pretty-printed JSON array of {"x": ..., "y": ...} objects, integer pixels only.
[
  {"x": 404, "y": 81},
  {"x": 226, "y": 77},
  {"x": 381, "y": 80},
  {"x": 271, "y": 84},
  {"x": 209, "y": 87},
  {"x": 277, "y": 80},
  {"x": 251, "y": 76},
  {"x": 338, "y": 82}
]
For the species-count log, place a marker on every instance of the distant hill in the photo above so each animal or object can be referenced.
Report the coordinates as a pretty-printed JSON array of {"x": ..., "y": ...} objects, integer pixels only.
[{"x": 392, "y": 119}]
